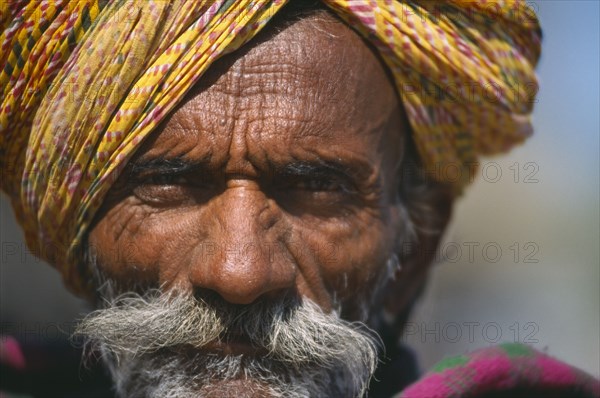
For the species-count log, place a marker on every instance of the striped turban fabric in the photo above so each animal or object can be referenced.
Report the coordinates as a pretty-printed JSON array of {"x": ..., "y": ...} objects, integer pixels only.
[{"x": 85, "y": 82}]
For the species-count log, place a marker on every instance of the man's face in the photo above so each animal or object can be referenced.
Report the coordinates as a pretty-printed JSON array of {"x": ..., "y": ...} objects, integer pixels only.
[{"x": 276, "y": 179}]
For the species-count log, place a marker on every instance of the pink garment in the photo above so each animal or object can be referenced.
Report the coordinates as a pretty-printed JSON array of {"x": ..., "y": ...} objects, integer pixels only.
[{"x": 507, "y": 370}]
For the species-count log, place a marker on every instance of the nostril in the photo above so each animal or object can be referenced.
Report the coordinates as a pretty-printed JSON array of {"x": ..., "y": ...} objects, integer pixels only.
[
  {"x": 241, "y": 279},
  {"x": 209, "y": 297},
  {"x": 241, "y": 293}
]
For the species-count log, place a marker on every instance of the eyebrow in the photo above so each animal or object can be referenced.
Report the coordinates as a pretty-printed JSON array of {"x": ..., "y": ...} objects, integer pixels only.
[
  {"x": 316, "y": 168},
  {"x": 176, "y": 165},
  {"x": 298, "y": 168}
]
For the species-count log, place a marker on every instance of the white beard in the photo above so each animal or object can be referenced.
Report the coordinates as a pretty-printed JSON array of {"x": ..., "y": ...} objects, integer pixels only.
[{"x": 153, "y": 346}]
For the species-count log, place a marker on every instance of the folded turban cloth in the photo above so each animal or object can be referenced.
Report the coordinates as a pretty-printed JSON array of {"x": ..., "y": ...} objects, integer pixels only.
[{"x": 85, "y": 82}]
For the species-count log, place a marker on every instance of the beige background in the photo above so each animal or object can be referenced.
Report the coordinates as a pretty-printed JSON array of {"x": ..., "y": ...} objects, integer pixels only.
[{"x": 480, "y": 292}]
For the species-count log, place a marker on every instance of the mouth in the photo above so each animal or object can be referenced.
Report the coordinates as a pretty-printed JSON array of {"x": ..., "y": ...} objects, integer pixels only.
[{"x": 235, "y": 345}]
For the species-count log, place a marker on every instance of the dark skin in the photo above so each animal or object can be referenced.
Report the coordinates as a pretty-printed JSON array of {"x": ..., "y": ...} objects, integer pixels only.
[{"x": 277, "y": 175}]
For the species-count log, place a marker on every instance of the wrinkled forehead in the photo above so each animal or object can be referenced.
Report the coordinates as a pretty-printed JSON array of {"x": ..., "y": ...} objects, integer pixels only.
[
  {"x": 317, "y": 46},
  {"x": 306, "y": 77}
]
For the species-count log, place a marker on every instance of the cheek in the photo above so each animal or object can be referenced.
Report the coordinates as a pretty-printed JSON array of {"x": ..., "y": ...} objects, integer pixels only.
[
  {"x": 350, "y": 255},
  {"x": 130, "y": 241}
]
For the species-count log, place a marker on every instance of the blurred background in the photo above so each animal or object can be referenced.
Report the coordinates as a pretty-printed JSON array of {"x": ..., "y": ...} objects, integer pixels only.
[{"x": 520, "y": 261}]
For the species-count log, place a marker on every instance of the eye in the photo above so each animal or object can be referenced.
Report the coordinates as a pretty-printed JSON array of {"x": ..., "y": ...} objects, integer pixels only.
[
  {"x": 320, "y": 184},
  {"x": 316, "y": 195},
  {"x": 170, "y": 189},
  {"x": 166, "y": 179}
]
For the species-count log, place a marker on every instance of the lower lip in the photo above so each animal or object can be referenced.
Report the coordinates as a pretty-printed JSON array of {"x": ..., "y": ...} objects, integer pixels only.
[{"x": 234, "y": 348}]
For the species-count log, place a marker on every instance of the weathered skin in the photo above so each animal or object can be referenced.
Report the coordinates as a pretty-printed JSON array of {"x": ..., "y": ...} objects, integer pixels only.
[{"x": 237, "y": 224}]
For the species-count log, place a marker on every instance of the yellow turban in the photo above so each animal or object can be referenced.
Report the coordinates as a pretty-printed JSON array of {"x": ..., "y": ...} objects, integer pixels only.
[{"x": 84, "y": 82}]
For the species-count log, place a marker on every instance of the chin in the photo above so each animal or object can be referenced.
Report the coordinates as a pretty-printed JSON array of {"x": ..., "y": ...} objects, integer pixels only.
[
  {"x": 185, "y": 375},
  {"x": 240, "y": 388}
]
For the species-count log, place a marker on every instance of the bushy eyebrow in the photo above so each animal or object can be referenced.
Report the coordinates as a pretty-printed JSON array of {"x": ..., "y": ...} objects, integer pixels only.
[
  {"x": 315, "y": 168},
  {"x": 161, "y": 165},
  {"x": 355, "y": 176},
  {"x": 319, "y": 168}
]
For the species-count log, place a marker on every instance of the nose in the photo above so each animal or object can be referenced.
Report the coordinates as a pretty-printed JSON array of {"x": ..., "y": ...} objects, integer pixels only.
[{"x": 247, "y": 258}]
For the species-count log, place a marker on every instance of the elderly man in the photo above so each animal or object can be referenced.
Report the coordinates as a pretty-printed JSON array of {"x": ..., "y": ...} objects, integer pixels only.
[{"x": 250, "y": 191}]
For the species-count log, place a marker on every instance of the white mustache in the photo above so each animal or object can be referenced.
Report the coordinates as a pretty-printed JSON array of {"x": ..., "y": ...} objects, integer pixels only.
[{"x": 296, "y": 334}]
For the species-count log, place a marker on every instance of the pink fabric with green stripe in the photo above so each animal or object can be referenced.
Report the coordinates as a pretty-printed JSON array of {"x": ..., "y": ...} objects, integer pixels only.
[{"x": 510, "y": 370}]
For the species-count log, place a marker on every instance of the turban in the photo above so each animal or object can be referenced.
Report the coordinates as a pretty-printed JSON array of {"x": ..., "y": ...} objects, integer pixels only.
[{"x": 85, "y": 82}]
